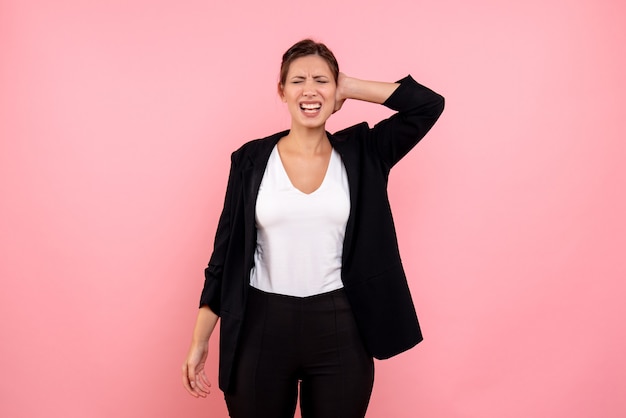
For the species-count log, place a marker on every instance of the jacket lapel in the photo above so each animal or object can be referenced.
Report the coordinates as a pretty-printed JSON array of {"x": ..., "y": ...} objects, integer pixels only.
[
  {"x": 349, "y": 157},
  {"x": 252, "y": 174}
]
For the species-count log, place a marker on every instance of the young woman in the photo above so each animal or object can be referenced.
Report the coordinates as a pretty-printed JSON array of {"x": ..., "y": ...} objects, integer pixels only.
[{"x": 305, "y": 273}]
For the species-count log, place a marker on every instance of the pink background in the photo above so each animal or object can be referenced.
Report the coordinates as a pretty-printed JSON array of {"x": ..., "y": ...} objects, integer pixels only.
[{"x": 117, "y": 119}]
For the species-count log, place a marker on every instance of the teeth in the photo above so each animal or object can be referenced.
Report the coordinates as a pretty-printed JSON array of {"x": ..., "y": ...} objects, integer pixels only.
[{"x": 310, "y": 106}]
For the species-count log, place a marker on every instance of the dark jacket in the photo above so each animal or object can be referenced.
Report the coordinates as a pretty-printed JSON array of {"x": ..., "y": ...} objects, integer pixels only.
[{"x": 372, "y": 272}]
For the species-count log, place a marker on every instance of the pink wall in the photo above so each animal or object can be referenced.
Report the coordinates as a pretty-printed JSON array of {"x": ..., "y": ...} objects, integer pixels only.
[{"x": 116, "y": 122}]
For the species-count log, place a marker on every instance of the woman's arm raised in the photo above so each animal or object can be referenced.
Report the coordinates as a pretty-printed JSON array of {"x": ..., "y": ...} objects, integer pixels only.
[
  {"x": 357, "y": 89},
  {"x": 417, "y": 109}
]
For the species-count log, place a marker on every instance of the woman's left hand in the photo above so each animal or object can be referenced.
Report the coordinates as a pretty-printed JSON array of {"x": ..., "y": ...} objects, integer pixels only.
[{"x": 340, "y": 96}]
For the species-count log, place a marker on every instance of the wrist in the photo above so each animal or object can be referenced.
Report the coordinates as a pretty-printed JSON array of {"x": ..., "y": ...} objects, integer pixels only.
[{"x": 199, "y": 342}]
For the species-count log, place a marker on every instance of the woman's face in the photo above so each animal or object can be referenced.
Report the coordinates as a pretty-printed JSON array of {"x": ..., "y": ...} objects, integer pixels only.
[{"x": 309, "y": 91}]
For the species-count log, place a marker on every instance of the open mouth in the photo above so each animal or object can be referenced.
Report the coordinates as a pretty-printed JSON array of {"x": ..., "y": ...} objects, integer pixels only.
[{"x": 310, "y": 107}]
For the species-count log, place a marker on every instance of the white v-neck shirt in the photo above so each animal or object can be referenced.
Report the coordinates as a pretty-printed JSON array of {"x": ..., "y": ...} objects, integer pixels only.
[{"x": 300, "y": 236}]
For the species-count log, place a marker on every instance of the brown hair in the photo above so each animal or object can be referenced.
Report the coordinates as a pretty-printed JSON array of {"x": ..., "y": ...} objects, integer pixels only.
[{"x": 302, "y": 49}]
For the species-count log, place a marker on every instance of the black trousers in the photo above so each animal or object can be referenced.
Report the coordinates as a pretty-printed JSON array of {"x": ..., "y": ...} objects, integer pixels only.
[{"x": 311, "y": 344}]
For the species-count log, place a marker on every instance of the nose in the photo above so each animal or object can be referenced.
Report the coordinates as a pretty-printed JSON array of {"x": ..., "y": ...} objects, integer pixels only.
[{"x": 309, "y": 88}]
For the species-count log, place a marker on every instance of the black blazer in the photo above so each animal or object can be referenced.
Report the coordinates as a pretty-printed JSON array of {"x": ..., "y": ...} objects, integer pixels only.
[{"x": 372, "y": 272}]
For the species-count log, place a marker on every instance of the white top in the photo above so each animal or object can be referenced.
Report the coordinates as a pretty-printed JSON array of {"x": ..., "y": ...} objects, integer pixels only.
[{"x": 299, "y": 235}]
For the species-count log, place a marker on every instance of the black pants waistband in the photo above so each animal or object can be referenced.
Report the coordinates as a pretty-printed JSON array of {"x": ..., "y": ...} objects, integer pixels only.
[{"x": 296, "y": 299}]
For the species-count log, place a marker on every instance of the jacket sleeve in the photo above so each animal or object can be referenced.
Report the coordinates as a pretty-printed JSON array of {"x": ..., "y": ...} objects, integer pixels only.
[
  {"x": 418, "y": 109},
  {"x": 211, "y": 293}
]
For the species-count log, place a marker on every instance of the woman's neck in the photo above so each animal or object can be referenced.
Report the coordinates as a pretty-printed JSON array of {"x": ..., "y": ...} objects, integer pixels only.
[{"x": 306, "y": 141}]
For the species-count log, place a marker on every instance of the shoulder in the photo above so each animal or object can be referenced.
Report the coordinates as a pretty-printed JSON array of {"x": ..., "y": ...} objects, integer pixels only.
[
  {"x": 353, "y": 132},
  {"x": 256, "y": 147}
]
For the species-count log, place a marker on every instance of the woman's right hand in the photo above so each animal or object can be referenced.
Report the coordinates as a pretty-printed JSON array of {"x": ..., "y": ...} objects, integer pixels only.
[{"x": 194, "y": 377}]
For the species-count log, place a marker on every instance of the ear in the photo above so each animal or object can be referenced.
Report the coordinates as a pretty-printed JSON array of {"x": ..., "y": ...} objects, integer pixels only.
[{"x": 280, "y": 91}]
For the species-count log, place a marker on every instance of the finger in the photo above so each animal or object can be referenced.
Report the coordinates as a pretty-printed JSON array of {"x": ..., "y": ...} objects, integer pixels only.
[
  {"x": 187, "y": 382},
  {"x": 201, "y": 387},
  {"x": 196, "y": 384},
  {"x": 203, "y": 381},
  {"x": 202, "y": 384}
]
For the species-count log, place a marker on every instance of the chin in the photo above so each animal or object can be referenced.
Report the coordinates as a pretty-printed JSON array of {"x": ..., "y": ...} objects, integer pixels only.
[{"x": 321, "y": 125}]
